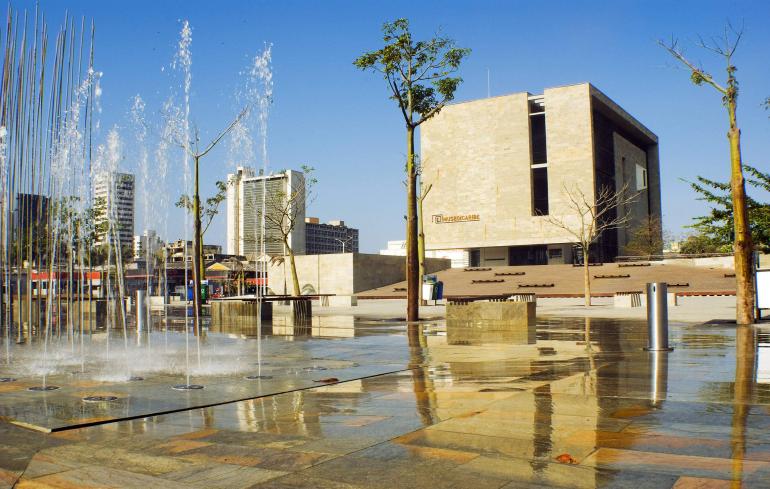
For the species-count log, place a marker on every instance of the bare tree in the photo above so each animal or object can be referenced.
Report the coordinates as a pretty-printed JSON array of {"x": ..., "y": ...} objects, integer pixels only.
[
  {"x": 193, "y": 149},
  {"x": 589, "y": 218},
  {"x": 282, "y": 212},
  {"x": 725, "y": 47}
]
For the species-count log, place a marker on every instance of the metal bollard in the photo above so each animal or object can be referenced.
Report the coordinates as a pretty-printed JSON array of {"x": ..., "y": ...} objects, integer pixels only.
[
  {"x": 658, "y": 364},
  {"x": 657, "y": 317},
  {"x": 140, "y": 305}
]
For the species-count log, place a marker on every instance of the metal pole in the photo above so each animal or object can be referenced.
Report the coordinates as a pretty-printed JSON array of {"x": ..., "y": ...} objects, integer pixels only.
[
  {"x": 140, "y": 310},
  {"x": 657, "y": 316}
]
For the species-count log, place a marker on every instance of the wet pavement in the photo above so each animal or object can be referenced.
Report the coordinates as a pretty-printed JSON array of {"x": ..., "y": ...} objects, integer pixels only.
[{"x": 579, "y": 405}]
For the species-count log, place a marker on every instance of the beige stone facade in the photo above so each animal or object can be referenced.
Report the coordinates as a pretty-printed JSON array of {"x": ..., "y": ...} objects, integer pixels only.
[
  {"x": 480, "y": 160},
  {"x": 343, "y": 273}
]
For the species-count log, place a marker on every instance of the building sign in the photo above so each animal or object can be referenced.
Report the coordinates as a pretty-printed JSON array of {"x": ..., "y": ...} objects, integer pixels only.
[{"x": 442, "y": 219}]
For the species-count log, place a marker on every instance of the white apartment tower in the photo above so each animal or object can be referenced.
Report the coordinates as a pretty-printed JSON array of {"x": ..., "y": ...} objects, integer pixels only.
[
  {"x": 280, "y": 194},
  {"x": 116, "y": 192}
]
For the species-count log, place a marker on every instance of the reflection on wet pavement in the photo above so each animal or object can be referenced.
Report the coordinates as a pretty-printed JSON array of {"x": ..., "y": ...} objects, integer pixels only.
[{"x": 577, "y": 404}]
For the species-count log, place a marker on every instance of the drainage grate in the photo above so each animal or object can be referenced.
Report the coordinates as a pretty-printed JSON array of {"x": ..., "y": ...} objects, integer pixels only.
[
  {"x": 187, "y": 387},
  {"x": 258, "y": 377},
  {"x": 135, "y": 378},
  {"x": 6, "y": 379},
  {"x": 43, "y": 388}
]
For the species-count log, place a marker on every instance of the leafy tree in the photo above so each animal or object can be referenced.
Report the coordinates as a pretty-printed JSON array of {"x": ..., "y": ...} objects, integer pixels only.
[
  {"x": 725, "y": 48},
  {"x": 420, "y": 77},
  {"x": 647, "y": 239},
  {"x": 209, "y": 210},
  {"x": 698, "y": 244},
  {"x": 718, "y": 225}
]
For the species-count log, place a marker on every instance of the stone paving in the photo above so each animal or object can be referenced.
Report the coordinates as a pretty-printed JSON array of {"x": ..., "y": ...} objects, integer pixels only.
[{"x": 582, "y": 406}]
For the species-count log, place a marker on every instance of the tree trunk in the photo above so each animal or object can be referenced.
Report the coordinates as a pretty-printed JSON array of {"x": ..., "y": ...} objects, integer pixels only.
[
  {"x": 420, "y": 245},
  {"x": 744, "y": 309},
  {"x": 197, "y": 249},
  {"x": 293, "y": 266},
  {"x": 412, "y": 262},
  {"x": 586, "y": 278}
]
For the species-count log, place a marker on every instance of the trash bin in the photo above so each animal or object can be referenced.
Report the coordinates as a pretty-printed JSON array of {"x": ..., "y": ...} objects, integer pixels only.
[
  {"x": 438, "y": 291},
  {"x": 428, "y": 291},
  {"x": 204, "y": 292}
]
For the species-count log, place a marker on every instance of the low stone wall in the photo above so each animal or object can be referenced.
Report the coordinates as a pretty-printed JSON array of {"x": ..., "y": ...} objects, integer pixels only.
[
  {"x": 343, "y": 273},
  {"x": 640, "y": 300},
  {"x": 342, "y": 301},
  {"x": 235, "y": 312}
]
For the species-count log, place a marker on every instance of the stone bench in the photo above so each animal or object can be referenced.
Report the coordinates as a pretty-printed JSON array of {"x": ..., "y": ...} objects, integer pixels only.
[
  {"x": 639, "y": 299},
  {"x": 342, "y": 301}
]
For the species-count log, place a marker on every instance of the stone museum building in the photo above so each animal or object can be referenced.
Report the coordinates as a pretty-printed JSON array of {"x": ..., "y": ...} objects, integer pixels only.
[{"x": 499, "y": 166}]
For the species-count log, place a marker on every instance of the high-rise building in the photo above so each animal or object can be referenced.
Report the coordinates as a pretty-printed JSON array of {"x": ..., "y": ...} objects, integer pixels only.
[
  {"x": 330, "y": 237},
  {"x": 146, "y": 244},
  {"x": 499, "y": 167},
  {"x": 114, "y": 192},
  {"x": 282, "y": 196},
  {"x": 181, "y": 250}
]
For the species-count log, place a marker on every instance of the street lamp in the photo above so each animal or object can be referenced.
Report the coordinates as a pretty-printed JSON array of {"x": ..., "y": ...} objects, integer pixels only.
[{"x": 343, "y": 241}]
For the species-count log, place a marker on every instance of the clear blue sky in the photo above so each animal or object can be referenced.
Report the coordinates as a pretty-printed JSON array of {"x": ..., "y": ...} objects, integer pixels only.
[{"x": 329, "y": 115}]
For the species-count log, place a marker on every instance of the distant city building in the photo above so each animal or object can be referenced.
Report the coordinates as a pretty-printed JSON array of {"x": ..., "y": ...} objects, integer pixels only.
[
  {"x": 499, "y": 168},
  {"x": 116, "y": 191},
  {"x": 331, "y": 237},
  {"x": 459, "y": 258},
  {"x": 146, "y": 244},
  {"x": 31, "y": 211},
  {"x": 246, "y": 195},
  {"x": 180, "y": 250}
]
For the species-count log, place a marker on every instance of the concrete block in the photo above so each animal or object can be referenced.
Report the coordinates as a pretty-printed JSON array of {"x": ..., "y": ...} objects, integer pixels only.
[
  {"x": 301, "y": 309},
  {"x": 493, "y": 315},
  {"x": 627, "y": 300},
  {"x": 238, "y": 313}
]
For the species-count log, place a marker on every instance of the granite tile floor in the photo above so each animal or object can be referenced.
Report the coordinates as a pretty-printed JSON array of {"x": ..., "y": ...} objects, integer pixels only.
[{"x": 583, "y": 406}]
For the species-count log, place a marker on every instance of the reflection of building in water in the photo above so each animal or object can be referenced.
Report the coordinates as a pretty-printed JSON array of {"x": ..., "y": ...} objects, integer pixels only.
[
  {"x": 763, "y": 358},
  {"x": 564, "y": 403}
]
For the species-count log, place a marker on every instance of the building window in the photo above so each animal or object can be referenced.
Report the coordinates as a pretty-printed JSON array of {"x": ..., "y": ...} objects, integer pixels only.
[
  {"x": 554, "y": 253},
  {"x": 641, "y": 177},
  {"x": 540, "y": 191},
  {"x": 539, "y": 163},
  {"x": 537, "y": 132}
]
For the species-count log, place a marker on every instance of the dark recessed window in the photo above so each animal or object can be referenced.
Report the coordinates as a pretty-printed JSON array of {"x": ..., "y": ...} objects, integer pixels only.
[
  {"x": 540, "y": 191},
  {"x": 539, "y": 154}
]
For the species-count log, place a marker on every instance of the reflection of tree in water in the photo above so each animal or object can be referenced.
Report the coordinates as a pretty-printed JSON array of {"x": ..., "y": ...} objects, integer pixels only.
[
  {"x": 589, "y": 376},
  {"x": 745, "y": 371},
  {"x": 424, "y": 390},
  {"x": 541, "y": 440}
]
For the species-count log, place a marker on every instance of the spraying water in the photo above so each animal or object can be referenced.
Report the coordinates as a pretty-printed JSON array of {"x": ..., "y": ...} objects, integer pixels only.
[{"x": 183, "y": 62}]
